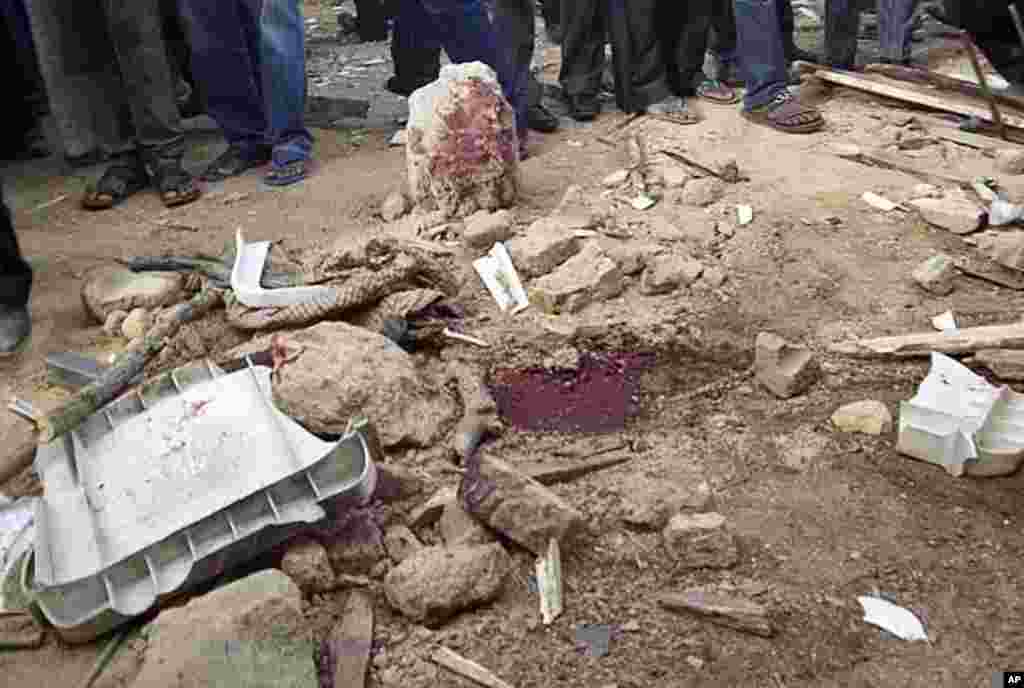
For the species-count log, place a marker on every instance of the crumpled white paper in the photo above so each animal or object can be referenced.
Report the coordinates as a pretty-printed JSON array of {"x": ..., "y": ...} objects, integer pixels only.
[{"x": 895, "y": 619}]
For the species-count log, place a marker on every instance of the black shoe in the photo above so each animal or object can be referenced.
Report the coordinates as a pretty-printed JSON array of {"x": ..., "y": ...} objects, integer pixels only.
[
  {"x": 405, "y": 87},
  {"x": 541, "y": 119},
  {"x": 801, "y": 55},
  {"x": 15, "y": 328},
  {"x": 584, "y": 107},
  {"x": 554, "y": 32}
]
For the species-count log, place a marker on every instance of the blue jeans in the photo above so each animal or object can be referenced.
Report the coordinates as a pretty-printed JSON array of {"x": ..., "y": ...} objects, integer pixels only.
[
  {"x": 250, "y": 56},
  {"x": 762, "y": 56},
  {"x": 842, "y": 24}
]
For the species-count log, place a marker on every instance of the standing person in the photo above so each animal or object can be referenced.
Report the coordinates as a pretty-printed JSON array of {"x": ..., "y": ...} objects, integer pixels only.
[
  {"x": 768, "y": 100},
  {"x": 991, "y": 26},
  {"x": 250, "y": 57},
  {"x": 15, "y": 285},
  {"x": 723, "y": 41},
  {"x": 584, "y": 27},
  {"x": 112, "y": 93},
  {"x": 22, "y": 137},
  {"x": 842, "y": 26}
]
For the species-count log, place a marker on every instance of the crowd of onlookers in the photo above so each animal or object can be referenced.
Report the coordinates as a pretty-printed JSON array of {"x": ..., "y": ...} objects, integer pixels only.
[{"x": 119, "y": 76}]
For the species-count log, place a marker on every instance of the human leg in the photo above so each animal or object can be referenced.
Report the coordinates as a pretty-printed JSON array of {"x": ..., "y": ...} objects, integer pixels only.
[
  {"x": 416, "y": 54},
  {"x": 842, "y": 23},
  {"x": 583, "y": 57},
  {"x": 15, "y": 285},
  {"x": 895, "y": 28}
]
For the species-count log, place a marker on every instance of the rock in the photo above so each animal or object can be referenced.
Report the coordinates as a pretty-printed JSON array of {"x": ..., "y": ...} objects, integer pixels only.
[
  {"x": 351, "y": 642},
  {"x": 396, "y": 484},
  {"x": 510, "y": 503},
  {"x": 1007, "y": 364},
  {"x": 436, "y": 583},
  {"x": 249, "y": 634},
  {"x": 674, "y": 176},
  {"x": 401, "y": 543},
  {"x": 115, "y": 288},
  {"x": 936, "y": 274},
  {"x": 394, "y": 206},
  {"x": 344, "y": 371},
  {"x": 955, "y": 214},
  {"x": 137, "y": 323},
  {"x": 700, "y": 541},
  {"x": 459, "y": 528},
  {"x": 1005, "y": 248},
  {"x": 713, "y": 277},
  {"x": 666, "y": 273},
  {"x": 926, "y": 191},
  {"x": 575, "y": 196},
  {"x": 648, "y": 505},
  {"x": 462, "y": 151},
  {"x": 588, "y": 276},
  {"x": 867, "y": 417},
  {"x": 545, "y": 246},
  {"x": 1010, "y": 160},
  {"x": 702, "y": 192},
  {"x": 785, "y": 369},
  {"x": 306, "y": 562},
  {"x": 355, "y": 543},
  {"x": 483, "y": 229},
  {"x": 630, "y": 256},
  {"x": 112, "y": 325},
  {"x": 616, "y": 178},
  {"x": 429, "y": 513},
  {"x": 802, "y": 450}
]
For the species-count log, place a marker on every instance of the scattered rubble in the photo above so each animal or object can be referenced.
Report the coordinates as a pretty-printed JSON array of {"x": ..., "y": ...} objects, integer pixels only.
[
  {"x": 1010, "y": 160},
  {"x": 631, "y": 256},
  {"x": 484, "y": 228},
  {"x": 713, "y": 277},
  {"x": 351, "y": 642},
  {"x": 1005, "y": 363},
  {"x": 936, "y": 274},
  {"x": 667, "y": 273},
  {"x": 588, "y": 276},
  {"x": 429, "y": 513},
  {"x": 616, "y": 178},
  {"x": 112, "y": 325},
  {"x": 878, "y": 202},
  {"x": 436, "y": 583},
  {"x": 787, "y": 370},
  {"x": 868, "y": 417},
  {"x": 306, "y": 562},
  {"x": 114, "y": 288},
  {"x": 463, "y": 667},
  {"x": 956, "y": 214},
  {"x": 700, "y": 541},
  {"x": 458, "y": 528},
  {"x": 394, "y": 206},
  {"x": 650, "y": 504},
  {"x": 546, "y": 245},
  {"x": 722, "y": 610},
  {"x": 355, "y": 543},
  {"x": 396, "y": 484},
  {"x": 137, "y": 323},
  {"x": 674, "y": 176},
  {"x": 1005, "y": 248},
  {"x": 926, "y": 191},
  {"x": 510, "y": 503},
  {"x": 702, "y": 192},
  {"x": 401, "y": 543},
  {"x": 944, "y": 321}
]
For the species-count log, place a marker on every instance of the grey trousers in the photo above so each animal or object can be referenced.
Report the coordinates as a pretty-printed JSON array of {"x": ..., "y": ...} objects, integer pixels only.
[
  {"x": 107, "y": 75},
  {"x": 584, "y": 27},
  {"x": 842, "y": 22}
]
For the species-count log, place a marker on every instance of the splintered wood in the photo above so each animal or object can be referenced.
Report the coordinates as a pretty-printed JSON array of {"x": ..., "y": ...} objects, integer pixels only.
[
  {"x": 352, "y": 641},
  {"x": 722, "y": 610},
  {"x": 549, "y": 583},
  {"x": 960, "y": 341},
  {"x": 467, "y": 669}
]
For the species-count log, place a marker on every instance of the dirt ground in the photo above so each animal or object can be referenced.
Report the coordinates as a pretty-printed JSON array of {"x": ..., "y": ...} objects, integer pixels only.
[{"x": 822, "y": 517}]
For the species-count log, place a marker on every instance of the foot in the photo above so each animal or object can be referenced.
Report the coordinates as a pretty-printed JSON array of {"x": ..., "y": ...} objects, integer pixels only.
[
  {"x": 786, "y": 114},
  {"x": 125, "y": 177},
  {"x": 175, "y": 185},
  {"x": 541, "y": 119},
  {"x": 584, "y": 107},
  {"x": 717, "y": 92},
  {"x": 673, "y": 108},
  {"x": 234, "y": 161},
  {"x": 287, "y": 173},
  {"x": 15, "y": 328}
]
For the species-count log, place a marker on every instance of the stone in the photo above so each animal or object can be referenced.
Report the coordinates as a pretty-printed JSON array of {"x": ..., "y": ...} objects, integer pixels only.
[
  {"x": 713, "y": 277},
  {"x": 545, "y": 246},
  {"x": 926, "y": 191},
  {"x": 1007, "y": 364},
  {"x": 936, "y": 274},
  {"x": 802, "y": 450},
  {"x": 112, "y": 325},
  {"x": 953, "y": 213},
  {"x": 649, "y": 504},
  {"x": 345, "y": 371},
  {"x": 437, "y": 583},
  {"x": 351, "y": 642},
  {"x": 702, "y": 192},
  {"x": 462, "y": 152},
  {"x": 401, "y": 543},
  {"x": 115, "y": 288},
  {"x": 396, "y": 484},
  {"x": 429, "y": 513},
  {"x": 516, "y": 506},
  {"x": 700, "y": 541},
  {"x": 459, "y": 528},
  {"x": 137, "y": 323},
  {"x": 631, "y": 256},
  {"x": 616, "y": 178},
  {"x": 588, "y": 276},
  {"x": 354, "y": 543},
  {"x": 249, "y": 634},
  {"x": 785, "y": 369},
  {"x": 1005, "y": 248},
  {"x": 868, "y": 417},
  {"x": 674, "y": 176},
  {"x": 1010, "y": 160},
  {"x": 306, "y": 562},
  {"x": 722, "y": 610},
  {"x": 394, "y": 206},
  {"x": 483, "y": 229},
  {"x": 575, "y": 196},
  {"x": 667, "y": 273}
]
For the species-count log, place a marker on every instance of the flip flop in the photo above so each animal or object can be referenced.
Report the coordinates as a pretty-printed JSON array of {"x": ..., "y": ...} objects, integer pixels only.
[
  {"x": 285, "y": 174},
  {"x": 121, "y": 180},
  {"x": 786, "y": 114},
  {"x": 672, "y": 110},
  {"x": 717, "y": 92}
]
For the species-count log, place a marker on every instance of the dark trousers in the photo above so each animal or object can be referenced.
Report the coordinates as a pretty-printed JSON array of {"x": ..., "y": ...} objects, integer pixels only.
[
  {"x": 15, "y": 274},
  {"x": 416, "y": 53},
  {"x": 584, "y": 27},
  {"x": 20, "y": 113},
  {"x": 991, "y": 26},
  {"x": 761, "y": 50},
  {"x": 515, "y": 21},
  {"x": 722, "y": 39},
  {"x": 842, "y": 24},
  {"x": 551, "y": 10}
]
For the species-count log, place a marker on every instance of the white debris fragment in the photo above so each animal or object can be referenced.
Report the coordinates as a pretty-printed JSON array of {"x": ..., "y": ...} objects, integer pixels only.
[
  {"x": 502, "y": 280},
  {"x": 398, "y": 139},
  {"x": 897, "y": 620},
  {"x": 643, "y": 202},
  {"x": 549, "y": 583},
  {"x": 744, "y": 214},
  {"x": 878, "y": 202},
  {"x": 944, "y": 321}
]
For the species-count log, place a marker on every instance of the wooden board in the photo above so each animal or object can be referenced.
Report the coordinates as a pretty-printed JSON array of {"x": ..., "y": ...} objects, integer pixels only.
[
  {"x": 967, "y": 340},
  {"x": 464, "y": 667},
  {"x": 352, "y": 641},
  {"x": 567, "y": 470}
]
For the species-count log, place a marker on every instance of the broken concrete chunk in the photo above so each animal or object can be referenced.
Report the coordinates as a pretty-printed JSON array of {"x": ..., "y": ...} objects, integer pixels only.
[
  {"x": 936, "y": 274},
  {"x": 722, "y": 610},
  {"x": 355, "y": 545},
  {"x": 112, "y": 325},
  {"x": 926, "y": 191},
  {"x": 955, "y": 214},
  {"x": 666, "y": 273},
  {"x": 436, "y": 583},
  {"x": 1010, "y": 160},
  {"x": 868, "y": 417},
  {"x": 630, "y": 256},
  {"x": 546, "y": 246},
  {"x": 396, "y": 484},
  {"x": 1005, "y": 248},
  {"x": 588, "y": 276},
  {"x": 616, "y": 178},
  {"x": 430, "y": 511},
  {"x": 702, "y": 192},
  {"x": 249, "y": 634},
  {"x": 649, "y": 504},
  {"x": 112, "y": 288},
  {"x": 1007, "y": 364},
  {"x": 674, "y": 176},
  {"x": 700, "y": 541},
  {"x": 401, "y": 543},
  {"x": 484, "y": 228},
  {"x": 785, "y": 369},
  {"x": 459, "y": 528},
  {"x": 510, "y": 503},
  {"x": 394, "y": 206},
  {"x": 137, "y": 323},
  {"x": 713, "y": 277},
  {"x": 306, "y": 562},
  {"x": 351, "y": 641}
]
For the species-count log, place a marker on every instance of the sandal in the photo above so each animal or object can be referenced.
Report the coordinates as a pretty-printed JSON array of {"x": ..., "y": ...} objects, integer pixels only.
[
  {"x": 121, "y": 180},
  {"x": 283, "y": 174},
  {"x": 233, "y": 162},
  {"x": 717, "y": 92},
  {"x": 673, "y": 109},
  {"x": 176, "y": 186},
  {"x": 785, "y": 113}
]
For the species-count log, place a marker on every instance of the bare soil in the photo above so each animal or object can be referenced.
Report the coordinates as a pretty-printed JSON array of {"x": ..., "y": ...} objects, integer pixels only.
[{"x": 822, "y": 517}]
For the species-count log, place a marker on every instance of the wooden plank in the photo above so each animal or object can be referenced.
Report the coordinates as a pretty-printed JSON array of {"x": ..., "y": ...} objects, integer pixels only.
[
  {"x": 916, "y": 96},
  {"x": 352, "y": 641},
  {"x": 564, "y": 471},
  {"x": 977, "y": 141},
  {"x": 467, "y": 669},
  {"x": 943, "y": 81},
  {"x": 985, "y": 269},
  {"x": 962, "y": 341},
  {"x": 723, "y": 610}
]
